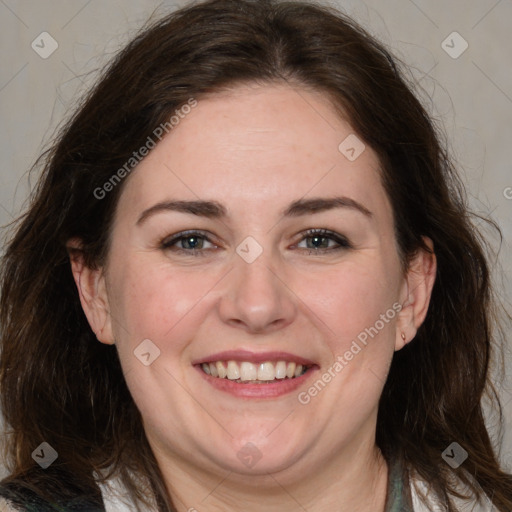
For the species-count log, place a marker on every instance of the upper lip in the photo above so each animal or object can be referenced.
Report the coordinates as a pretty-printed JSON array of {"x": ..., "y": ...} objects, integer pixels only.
[{"x": 253, "y": 357}]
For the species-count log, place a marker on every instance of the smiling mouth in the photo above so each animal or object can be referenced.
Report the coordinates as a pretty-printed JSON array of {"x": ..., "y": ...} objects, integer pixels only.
[{"x": 245, "y": 372}]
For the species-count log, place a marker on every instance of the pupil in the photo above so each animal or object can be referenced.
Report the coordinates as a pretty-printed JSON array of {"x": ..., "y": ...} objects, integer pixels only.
[
  {"x": 317, "y": 241},
  {"x": 192, "y": 242}
]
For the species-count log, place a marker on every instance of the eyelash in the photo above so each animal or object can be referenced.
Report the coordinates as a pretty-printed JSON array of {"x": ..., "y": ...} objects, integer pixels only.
[
  {"x": 343, "y": 243},
  {"x": 169, "y": 243}
]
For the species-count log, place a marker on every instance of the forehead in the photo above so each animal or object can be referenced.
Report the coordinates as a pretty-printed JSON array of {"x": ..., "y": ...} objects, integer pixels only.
[{"x": 258, "y": 145}]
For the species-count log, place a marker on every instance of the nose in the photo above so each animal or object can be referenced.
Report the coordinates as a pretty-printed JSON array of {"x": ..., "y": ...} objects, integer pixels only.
[{"x": 257, "y": 297}]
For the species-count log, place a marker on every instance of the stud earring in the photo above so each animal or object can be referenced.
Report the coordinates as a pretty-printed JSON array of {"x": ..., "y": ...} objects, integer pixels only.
[{"x": 403, "y": 336}]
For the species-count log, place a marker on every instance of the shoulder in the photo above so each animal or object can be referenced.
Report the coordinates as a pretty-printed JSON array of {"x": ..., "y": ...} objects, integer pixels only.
[
  {"x": 7, "y": 506},
  {"x": 424, "y": 499},
  {"x": 21, "y": 497}
]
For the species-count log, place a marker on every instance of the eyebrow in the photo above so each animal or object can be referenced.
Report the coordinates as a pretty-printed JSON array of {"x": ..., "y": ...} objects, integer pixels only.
[
  {"x": 214, "y": 210},
  {"x": 316, "y": 205},
  {"x": 208, "y": 209}
]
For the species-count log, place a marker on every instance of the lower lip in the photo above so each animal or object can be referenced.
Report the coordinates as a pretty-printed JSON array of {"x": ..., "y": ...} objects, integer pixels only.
[{"x": 275, "y": 389}]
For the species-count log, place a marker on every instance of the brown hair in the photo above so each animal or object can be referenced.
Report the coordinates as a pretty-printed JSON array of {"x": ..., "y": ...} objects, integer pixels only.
[{"x": 59, "y": 385}]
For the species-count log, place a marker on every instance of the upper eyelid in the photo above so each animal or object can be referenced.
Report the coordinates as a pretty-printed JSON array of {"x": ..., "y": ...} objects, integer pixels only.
[
  {"x": 340, "y": 239},
  {"x": 172, "y": 239},
  {"x": 324, "y": 233}
]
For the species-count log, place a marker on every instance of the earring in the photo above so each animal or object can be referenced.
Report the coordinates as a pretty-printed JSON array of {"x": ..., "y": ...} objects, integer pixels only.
[{"x": 403, "y": 336}]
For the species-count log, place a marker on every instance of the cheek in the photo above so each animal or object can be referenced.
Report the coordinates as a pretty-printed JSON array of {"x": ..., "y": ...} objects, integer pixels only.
[
  {"x": 357, "y": 305},
  {"x": 153, "y": 302},
  {"x": 351, "y": 299}
]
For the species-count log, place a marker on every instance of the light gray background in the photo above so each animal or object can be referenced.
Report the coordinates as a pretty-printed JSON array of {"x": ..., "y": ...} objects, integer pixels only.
[{"x": 471, "y": 95}]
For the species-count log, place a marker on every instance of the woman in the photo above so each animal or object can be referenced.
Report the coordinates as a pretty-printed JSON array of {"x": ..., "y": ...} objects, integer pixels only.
[{"x": 248, "y": 280}]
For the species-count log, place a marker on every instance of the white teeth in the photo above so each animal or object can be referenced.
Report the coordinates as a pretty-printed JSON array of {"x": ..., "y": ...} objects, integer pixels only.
[
  {"x": 266, "y": 371},
  {"x": 248, "y": 371},
  {"x": 233, "y": 371},
  {"x": 245, "y": 371},
  {"x": 213, "y": 370},
  {"x": 221, "y": 370},
  {"x": 280, "y": 370}
]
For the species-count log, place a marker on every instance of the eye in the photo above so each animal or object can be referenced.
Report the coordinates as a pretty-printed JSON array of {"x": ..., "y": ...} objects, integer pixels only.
[
  {"x": 188, "y": 242},
  {"x": 318, "y": 241}
]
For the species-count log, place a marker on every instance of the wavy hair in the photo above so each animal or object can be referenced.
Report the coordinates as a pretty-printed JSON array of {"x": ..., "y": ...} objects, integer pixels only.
[{"x": 59, "y": 385}]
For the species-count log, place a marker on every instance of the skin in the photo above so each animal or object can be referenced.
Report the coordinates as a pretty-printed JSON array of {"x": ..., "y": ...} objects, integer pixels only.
[{"x": 256, "y": 150}]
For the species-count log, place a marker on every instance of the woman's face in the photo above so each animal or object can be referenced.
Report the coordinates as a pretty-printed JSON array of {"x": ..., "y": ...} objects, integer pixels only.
[{"x": 256, "y": 238}]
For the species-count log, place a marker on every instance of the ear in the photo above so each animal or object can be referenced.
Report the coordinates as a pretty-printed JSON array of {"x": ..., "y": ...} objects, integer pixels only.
[
  {"x": 93, "y": 293},
  {"x": 415, "y": 294}
]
